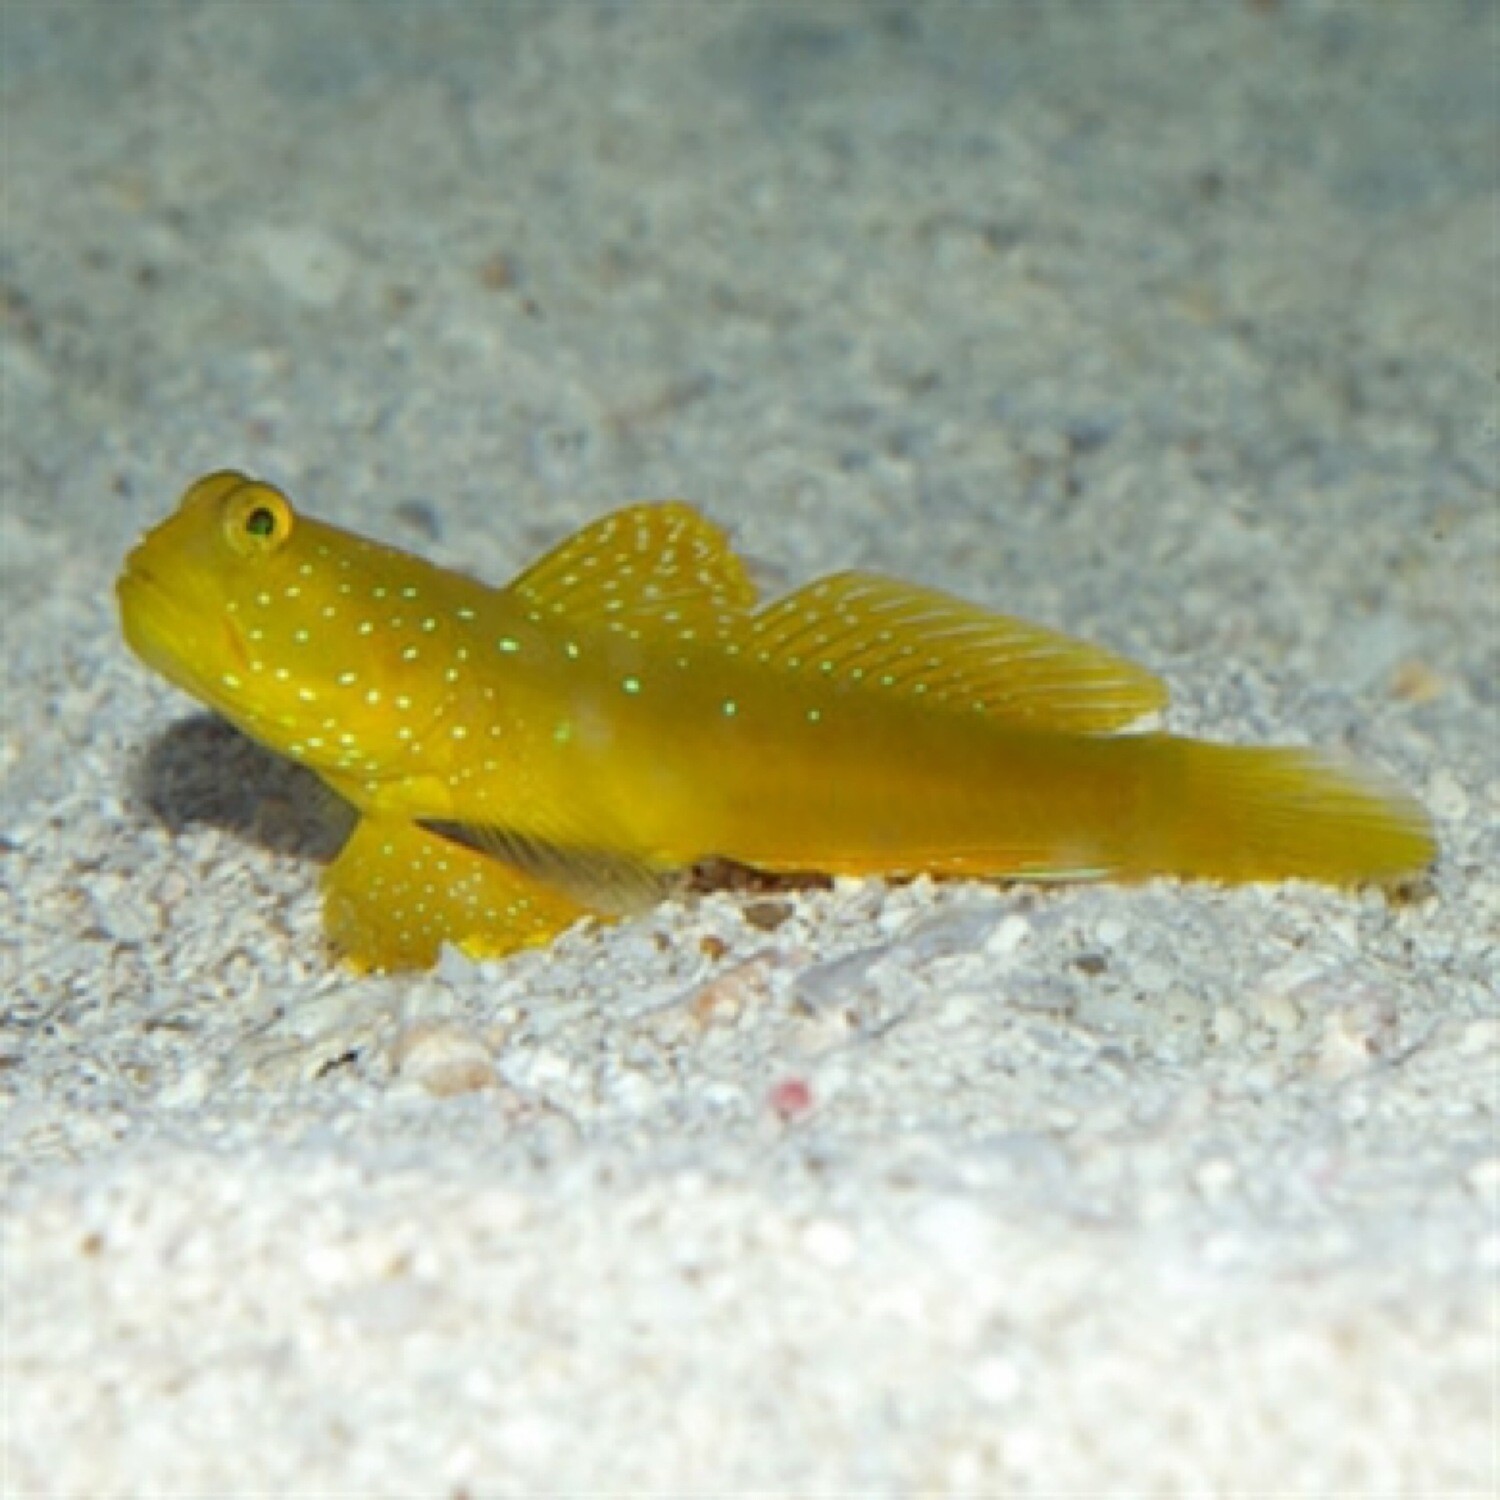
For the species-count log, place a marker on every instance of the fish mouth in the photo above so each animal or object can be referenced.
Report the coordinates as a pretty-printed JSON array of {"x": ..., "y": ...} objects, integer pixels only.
[
  {"x": 141, "y": 594},
  {"x": 134, "y": 571},
  {"x": 138, "y": 586},
  {"x": 138, "y": 594},
  {"x": 158, "y": 624}
]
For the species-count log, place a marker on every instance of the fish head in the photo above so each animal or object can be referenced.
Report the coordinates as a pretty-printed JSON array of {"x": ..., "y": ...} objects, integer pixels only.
[{"x": 292, "y": 629}]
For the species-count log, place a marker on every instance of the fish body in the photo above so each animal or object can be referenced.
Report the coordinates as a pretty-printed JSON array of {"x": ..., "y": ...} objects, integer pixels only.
[{"x": 525, "y": 756}]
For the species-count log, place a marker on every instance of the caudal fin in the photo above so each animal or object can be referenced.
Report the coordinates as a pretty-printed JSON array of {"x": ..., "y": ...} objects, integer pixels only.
[{"x": 1237, "y": 814}]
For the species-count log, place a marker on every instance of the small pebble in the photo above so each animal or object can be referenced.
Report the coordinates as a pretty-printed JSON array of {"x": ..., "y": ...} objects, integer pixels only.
[
  {"x": 1215, "y": 1177},
  {"x": 1413, "y": 681},
  {"x": 1008, "y": 935},
  {"x": 956, "y": 1230},
  {"x": 1183, "y": 1009},
  {"x": 1345, "y": 1050},
  {"x": 996, "y": 1381},
  {"x": 791, "y": 1099},
  {"x": 1479, "y": 1037},
  {"x": 444, "y": 1057},
  {"x": 1152, "y": 978},
  {"x": 307, "y": 264},
  {"x": 1447, "y": 798},
  {"x": 1110, "y": 932},
  {"x": 1484, "y": 1178},
  {"x": 723, "y": 999},
  {"x": 187, "y": 1091},
  {"x": 1278, "y": 1010},
  {"x": 829, "y": 1244},
  {"x": 1228, "y": 1026},
  {"x": 768, "y": 915}
]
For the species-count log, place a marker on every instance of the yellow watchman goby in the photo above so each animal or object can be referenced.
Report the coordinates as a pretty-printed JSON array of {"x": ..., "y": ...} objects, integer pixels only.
[{"x": 525, "y": 756}]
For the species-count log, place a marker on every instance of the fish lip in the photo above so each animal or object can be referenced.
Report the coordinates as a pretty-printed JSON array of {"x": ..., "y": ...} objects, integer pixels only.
[
  {"x": 157, "y": 618},
  {"x": 135, "y": 580},
  {"x": 135, "y": 571},
  {"x": 144, "y": 601},
  {"x": 154, "y": 617}
]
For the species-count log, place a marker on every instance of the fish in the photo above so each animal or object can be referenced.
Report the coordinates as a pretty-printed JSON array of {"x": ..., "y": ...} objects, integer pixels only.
[{"x": 524, "y": 757}]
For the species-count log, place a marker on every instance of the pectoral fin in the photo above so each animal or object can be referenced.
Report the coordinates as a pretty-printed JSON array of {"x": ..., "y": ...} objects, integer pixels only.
[
  {"x": 397, "y": 893},
  {"x": 600, "y": 880}
]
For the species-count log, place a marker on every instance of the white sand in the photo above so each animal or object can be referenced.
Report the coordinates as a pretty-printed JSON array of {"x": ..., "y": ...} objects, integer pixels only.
[{"x": 1174, "y": 326}]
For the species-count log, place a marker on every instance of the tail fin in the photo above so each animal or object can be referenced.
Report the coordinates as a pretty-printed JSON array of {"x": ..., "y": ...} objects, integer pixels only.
[{"x": 1236, "y": 814}]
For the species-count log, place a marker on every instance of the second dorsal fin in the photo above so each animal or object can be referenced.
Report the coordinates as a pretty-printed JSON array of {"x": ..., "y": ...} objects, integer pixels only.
[
  {"x": 662, "y": 563},
  {"x": 892, "y": 637}
]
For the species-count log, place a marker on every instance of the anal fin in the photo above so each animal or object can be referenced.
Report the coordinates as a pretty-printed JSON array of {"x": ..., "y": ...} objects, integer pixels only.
[{"x": 397, "y": 893}]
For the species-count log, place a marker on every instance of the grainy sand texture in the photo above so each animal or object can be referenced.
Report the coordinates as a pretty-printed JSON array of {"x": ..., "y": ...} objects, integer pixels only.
[{"x": 1172, "y": 325}]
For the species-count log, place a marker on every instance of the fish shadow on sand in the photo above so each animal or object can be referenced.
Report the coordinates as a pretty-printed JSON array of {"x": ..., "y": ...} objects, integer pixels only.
[{"x": 204, "y": 771}]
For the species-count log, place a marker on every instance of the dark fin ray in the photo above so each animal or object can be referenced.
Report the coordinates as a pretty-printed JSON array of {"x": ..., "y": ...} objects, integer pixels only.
[{"x": 600, "y": 879}]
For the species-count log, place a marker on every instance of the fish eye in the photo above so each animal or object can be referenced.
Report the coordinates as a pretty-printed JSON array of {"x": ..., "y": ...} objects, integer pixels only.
[{"x": 257, "y": 520}]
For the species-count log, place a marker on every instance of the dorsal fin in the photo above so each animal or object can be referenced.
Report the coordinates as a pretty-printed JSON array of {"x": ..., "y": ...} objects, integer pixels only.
[
  {"x": 893, "y": 637},
  {"x": 663, "y": 563}
]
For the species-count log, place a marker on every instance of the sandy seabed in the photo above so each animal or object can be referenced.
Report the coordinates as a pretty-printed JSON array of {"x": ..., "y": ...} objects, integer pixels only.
[{"x": 1172, "y": 326}]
